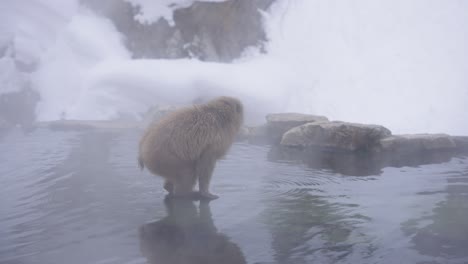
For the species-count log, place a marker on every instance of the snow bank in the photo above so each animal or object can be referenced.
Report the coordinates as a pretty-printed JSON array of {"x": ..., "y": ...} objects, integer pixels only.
[
  {"x": 398, "y": 63},
  {"x": 150, "y": 11}
]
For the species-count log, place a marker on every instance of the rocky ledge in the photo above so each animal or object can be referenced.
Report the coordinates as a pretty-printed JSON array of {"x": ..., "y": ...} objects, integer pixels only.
[
  {"x": 278, "y": 124},
  {"x": 408, "y": 144},
  {"x": 315, "y": 139},
  {"x": 336, "y": 135},
  {"x": 351, "y": 148},
  {"x": 317, "y": 133},
  {"x": 89, "y": 124}
]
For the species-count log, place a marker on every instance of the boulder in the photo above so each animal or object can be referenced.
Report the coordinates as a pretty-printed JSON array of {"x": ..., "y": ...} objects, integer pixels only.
[
  {"x": 461, "y": 142},
  {"x": 417, "y": 143},
  {"x": 253, "y": 134},
  {"x": 278, "y": 124},
  {"x": 335, "y": 136}
]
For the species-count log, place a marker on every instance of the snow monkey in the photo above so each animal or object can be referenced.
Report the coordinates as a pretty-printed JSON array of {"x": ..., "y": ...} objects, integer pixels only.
[{"x": 183, "y": 146}]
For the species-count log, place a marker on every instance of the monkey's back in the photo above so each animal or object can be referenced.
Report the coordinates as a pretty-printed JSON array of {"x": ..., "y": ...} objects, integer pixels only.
[
  {"x": 179, "y": 139},
  {"x": 174, "y": 145}
]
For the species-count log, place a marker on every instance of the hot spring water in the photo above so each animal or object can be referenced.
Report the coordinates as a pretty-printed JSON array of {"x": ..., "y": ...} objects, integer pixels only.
[{"x": 79, "y": 197}]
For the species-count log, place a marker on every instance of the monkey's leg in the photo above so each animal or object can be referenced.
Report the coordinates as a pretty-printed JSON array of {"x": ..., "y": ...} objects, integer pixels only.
[
  {"x": 204, "y": 169},
  {"x": 183, "y": 185},
  {"x": 169, "y": 186}
]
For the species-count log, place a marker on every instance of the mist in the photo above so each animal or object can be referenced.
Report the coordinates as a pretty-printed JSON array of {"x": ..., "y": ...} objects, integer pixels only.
[
  {"x": 81, "y": 81},
  {"x": 400, "y": 64}
]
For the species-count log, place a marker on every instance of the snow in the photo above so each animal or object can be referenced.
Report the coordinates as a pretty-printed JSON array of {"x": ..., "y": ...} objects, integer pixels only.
[
  {"x": 151, "y": 11},
  {"x": 398, "y": 63}
]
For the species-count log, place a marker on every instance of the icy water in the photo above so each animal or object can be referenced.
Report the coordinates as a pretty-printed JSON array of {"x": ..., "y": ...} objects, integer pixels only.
[{"x": 79, "y": 197}]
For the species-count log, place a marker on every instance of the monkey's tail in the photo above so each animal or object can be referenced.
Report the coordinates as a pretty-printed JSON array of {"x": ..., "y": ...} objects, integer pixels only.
[{"x": 140, "y": 163}]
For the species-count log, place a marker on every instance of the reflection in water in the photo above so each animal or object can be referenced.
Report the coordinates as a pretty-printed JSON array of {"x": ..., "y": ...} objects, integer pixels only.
[
  {"x": 343, "y": 163},
  {"x": 360, "y": 164},
  {"x": 187, "y": 235},
  {"x": 306, "y": 227},
  {"x": 446, "y": 235},
  {"x": 407, "y": 215}
]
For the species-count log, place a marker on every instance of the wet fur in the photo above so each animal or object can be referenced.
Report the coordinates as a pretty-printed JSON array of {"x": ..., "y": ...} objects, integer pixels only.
[{"x": 184, "y": 146}]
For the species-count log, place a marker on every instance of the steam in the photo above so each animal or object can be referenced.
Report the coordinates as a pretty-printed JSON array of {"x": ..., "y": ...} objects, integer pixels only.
[
  {"x": 85, "y": 42},
  {"x": 398, "y": 63}
]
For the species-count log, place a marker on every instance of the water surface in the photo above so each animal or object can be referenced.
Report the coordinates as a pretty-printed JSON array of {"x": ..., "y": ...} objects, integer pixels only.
[{"x": 79, "y": 197}]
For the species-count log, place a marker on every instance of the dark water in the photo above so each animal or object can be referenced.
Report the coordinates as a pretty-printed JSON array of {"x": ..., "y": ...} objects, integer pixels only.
[{"x": 78, "y": 197}]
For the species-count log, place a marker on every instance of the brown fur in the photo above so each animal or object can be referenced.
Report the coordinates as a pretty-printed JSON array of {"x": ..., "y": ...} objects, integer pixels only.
[{"x": 184, "y": 146}]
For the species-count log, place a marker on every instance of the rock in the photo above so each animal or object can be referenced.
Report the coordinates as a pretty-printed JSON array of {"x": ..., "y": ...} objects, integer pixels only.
[
  {"x": 278, "y": 124},
  {"x": 461, "y": 142},
  {"x": 89, "y": 124},
  {"x": 336, "y": 136},
  {"x": 208, "y": 31},
  {"x": 294, "y": 117},
  {"x": 417, "y": 143},
  {"x": 256, "y": 135},
  {"x": 153, "y": 114}
]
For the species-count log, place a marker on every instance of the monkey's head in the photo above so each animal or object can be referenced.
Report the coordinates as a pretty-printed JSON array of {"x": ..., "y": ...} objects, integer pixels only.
[
  {"x": 231, "y": 108},
  {"x": 233, "y": 103}
]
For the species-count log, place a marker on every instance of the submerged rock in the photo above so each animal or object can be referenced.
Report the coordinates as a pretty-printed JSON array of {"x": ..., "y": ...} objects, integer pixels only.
[
  {"x": 336, "y": 136},
  {"x": 280, "y": 123},
  {"x": 346, "y": 163},
  {"x": 416, "y": 143},
  {"x": 337, "y": 146},
  {"x": 355, "y": 163}
]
